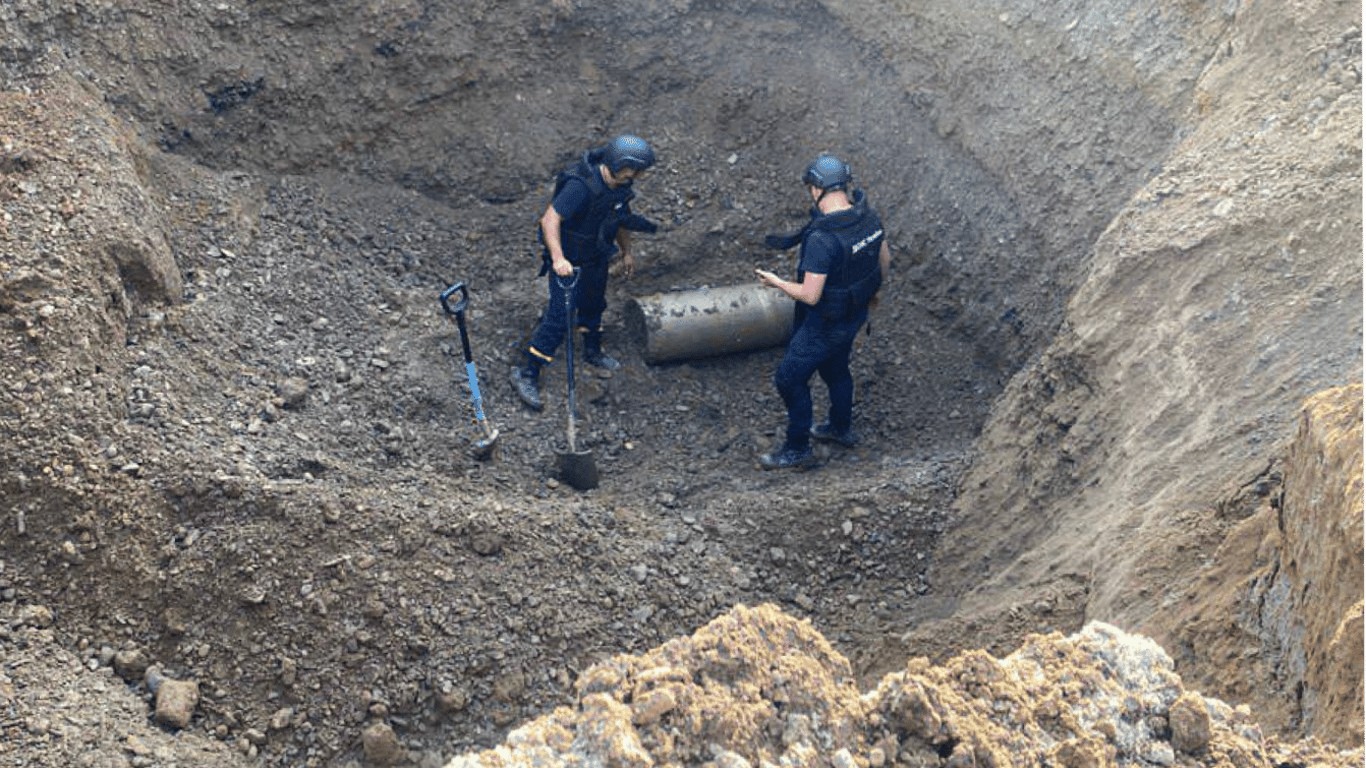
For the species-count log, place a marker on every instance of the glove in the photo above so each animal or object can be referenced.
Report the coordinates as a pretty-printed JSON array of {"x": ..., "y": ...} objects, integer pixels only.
[
  {"x": 782, "y": 242},
  {"x": 637, "y": 223}
]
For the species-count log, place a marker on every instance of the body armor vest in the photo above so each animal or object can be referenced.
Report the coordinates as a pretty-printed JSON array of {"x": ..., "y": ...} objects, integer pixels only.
[
  {"x": 589, "y": 236},
  {"x": 857, "y": 275}
]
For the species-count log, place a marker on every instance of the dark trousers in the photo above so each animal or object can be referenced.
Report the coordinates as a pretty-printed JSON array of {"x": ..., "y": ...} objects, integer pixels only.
[
  {"x": 590, "y": 301},
  {"x": 818, "y": 346}
]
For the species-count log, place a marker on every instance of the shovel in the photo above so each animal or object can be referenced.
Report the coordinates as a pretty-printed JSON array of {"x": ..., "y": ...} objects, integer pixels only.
[
  {"x": 482, "y": 448},
  {"x": 576, "y": 467}
]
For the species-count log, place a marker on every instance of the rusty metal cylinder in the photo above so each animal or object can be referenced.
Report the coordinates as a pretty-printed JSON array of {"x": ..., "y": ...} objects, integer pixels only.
[{"x": 708, "y": 322}]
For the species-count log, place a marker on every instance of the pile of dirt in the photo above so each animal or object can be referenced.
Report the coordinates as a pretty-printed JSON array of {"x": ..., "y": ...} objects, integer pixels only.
[{"x": 756, "y": 687}]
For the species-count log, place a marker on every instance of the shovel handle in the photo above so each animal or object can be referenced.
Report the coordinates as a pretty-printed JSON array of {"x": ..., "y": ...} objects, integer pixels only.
[
  {"x": 569, "y": 310},
  {"x": 472, "y": 376},
  {"x": 459, "y": 308},
  {"x": 459, "y": 311}
]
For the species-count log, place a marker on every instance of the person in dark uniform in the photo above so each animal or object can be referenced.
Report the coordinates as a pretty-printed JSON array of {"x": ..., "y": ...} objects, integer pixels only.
[
  {"x": 844, "y": 256},
  {"x": 588, "y": 220}
]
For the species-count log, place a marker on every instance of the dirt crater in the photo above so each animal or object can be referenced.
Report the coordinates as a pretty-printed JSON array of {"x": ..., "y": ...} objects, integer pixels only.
[{"x": 239, "y": 434}]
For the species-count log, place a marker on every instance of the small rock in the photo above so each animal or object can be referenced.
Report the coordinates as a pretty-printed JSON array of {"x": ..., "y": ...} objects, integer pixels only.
[
  {"x": 727, "y": 759},
  {"x": 381, "y": 745},
  {"x": 152, "y": 679},
  {"x": 293, "y": 392},
  {"x": 1190, "y": 724},
  {"x": 255, "y": 736},
  {"x": 452, "y": 700},
  {"x": 176, "y": 700},
  {"x": 71, "y": 554},
  {"x": 38, "y": 616},
  {"x": 289, "y": 671},
  {"x": 280, "y": 720},
  {"x": 650, "y": 706},
  {"x": 1076, "y": 753},
  {"x": 130, "y": 664},
  {"x": 509, "y": 687},
  {"x": 486, "y": 539}
]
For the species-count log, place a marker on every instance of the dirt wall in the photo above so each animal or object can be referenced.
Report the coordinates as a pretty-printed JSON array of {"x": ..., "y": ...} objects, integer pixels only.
[
  {"x": 1226, "y": 293},
  {"x": 1321, "y": 523}
]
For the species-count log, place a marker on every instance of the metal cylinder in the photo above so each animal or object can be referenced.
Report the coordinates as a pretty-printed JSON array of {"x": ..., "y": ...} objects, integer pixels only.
[{"x": 708, "y": 322}]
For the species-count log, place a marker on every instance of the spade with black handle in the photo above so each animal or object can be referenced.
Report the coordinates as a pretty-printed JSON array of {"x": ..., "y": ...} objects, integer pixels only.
[{"x": 576, "y": 467}]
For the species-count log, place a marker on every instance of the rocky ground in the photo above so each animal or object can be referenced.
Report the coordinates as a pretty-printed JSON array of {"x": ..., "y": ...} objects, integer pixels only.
[{"x": 237, "y": 461}]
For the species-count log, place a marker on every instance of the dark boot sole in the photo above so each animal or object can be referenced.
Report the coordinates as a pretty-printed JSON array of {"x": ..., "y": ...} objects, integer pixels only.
[{"x": 767, "y": 462}]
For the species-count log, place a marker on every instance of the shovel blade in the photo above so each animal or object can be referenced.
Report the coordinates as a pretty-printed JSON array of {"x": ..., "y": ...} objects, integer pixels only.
[
  {"x": 578, "y": 469},
  {"x": 484, "y": 447}
]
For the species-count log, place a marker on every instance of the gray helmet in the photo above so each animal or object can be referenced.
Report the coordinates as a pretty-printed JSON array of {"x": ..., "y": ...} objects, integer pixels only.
[
  {"x": 627, "y": 151},
  {"x": 828, "y": 172}
]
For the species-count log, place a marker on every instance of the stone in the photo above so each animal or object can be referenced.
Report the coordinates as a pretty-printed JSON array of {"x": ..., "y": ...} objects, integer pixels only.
[
  {"x": 381, "y": 745},
  {"x": 1190, "y": 724},
  {"x": 176, "y": 702}
]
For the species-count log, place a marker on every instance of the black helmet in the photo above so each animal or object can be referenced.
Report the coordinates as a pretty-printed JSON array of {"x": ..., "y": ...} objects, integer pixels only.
[
  {"x": 828, "y": 172},
  {"x": 627, "y": 151}
]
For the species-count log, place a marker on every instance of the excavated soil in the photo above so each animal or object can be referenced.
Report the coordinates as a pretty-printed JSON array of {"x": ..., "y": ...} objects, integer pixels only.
[{"x": 238, "y": 431}]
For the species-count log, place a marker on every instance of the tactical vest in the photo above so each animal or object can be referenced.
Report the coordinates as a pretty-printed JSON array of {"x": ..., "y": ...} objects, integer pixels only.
[
  {"x": 589, "y": 236},
  {"x": 857, "y": 276}
]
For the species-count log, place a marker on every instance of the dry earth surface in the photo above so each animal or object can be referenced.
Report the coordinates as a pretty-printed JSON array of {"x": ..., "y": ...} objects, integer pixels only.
[{"x": 1107, "y": 508}]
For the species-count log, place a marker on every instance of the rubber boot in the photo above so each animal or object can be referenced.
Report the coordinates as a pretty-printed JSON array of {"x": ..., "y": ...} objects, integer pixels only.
[
  {"x": 526, "y": 382},
  {"x": 594, "y": 356}
]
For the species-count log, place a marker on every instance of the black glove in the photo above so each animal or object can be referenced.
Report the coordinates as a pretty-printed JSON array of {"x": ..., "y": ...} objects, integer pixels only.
[
  {"x": 637, "y": 223},
  {"x": 783, "y": 242}
]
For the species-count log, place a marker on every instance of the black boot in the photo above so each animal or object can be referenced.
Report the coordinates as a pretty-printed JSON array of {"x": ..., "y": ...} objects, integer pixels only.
[
  {"x": 827, "y": 433},
  {"x": 593, "y": 354},
  {"x": 789, "y": 455},
  {"x": 526, "y": 382}
]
